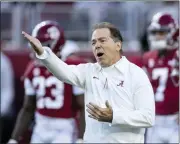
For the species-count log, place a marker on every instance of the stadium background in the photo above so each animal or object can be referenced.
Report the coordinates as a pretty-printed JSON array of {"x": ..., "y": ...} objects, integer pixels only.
[{"x": 77, "y": 19}]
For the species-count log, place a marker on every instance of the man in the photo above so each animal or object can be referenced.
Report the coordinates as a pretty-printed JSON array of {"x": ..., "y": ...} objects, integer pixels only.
[
  {"x": 7, "y": 97},
  {"x": 49, "y": 99},
  {"x": 118, "y": 95},
  {"x": 159, "y": 64}
]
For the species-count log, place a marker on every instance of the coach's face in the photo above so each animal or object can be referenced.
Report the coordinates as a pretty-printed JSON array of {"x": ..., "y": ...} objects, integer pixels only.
[{"x": 105, "y": 49}]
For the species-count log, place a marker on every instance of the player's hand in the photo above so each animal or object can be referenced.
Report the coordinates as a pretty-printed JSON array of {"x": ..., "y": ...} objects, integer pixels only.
[
  {"x": 100, "y": 114},
  {"x": 35, "y": 43}
]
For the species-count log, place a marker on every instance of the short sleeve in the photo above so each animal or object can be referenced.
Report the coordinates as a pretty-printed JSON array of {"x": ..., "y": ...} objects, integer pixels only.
[
  {"x": 29, "y": 89},
  {"x": 77, "y": 91}
]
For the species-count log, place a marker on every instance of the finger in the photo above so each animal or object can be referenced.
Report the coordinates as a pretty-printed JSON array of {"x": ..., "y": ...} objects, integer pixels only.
[
  {"x": 93, "y": 110},
  {"x": 92, "y": 117},
  {"x": 96, "y": 106},
  {"x": 29, "y": 37},
  {"x": 25, "y": 34},
  {"x": 108, "y": 105},
  {"x": 100, "y": 111},
  {"x": 96, "y": 118},
  {"x": 92, "y": 113},
  {"x": 96, "y": 111}
]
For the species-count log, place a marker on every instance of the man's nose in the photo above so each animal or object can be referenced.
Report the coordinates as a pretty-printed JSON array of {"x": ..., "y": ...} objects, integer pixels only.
[{"x": 98, "y": 45}]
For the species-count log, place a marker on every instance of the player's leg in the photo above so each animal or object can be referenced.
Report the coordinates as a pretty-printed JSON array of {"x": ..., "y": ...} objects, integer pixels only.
[
  {"x": 36, "y": 138},
  {"x": 39, "y": 135},
  {"x": 65, "y": 134},
  {"x": 63, "y": 137},
  {"x": 174, "y": 136},
  {"x": 153, "y": 135}
]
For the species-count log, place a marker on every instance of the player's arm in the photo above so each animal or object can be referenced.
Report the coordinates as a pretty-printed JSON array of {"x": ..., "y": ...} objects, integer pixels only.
[
  {"x": 26, "y": 113},
  {"x": 74, "y": 75},
  {"x": 79, "y": 100},
  {"x": 24, "y": 118}
]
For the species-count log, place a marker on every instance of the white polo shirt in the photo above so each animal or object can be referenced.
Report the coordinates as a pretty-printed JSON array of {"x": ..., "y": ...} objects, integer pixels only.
[{"x": 124, "y": 85}]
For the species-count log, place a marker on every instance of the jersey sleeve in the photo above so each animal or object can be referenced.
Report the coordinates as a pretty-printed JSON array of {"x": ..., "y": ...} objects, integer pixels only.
[
  {"x": 77, "y": 91},
  {"x": 29, "y": 89}
]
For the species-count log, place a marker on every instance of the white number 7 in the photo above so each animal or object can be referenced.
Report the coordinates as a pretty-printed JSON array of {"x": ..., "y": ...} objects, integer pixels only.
[{"x": 162, "y": 74}]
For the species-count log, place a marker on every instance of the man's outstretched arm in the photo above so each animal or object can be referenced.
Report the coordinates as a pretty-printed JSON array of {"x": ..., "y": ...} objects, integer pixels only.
[{"x": 74, "y": 75}]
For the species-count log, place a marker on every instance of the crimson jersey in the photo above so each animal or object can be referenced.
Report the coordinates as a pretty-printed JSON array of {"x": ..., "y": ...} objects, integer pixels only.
[
  {"x": 159, "y": 71},
  {"x": 53, "y": 97}
]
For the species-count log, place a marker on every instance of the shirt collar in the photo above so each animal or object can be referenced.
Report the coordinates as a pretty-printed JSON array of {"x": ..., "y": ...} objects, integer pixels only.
[{"x": 120, "y": 65}]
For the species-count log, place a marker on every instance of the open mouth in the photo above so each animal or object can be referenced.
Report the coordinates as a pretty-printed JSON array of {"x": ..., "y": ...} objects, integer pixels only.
[{"x": 100, "y": 54}]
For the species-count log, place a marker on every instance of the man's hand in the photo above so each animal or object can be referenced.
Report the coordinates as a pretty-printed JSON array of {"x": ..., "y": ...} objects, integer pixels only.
[
  {"x": 100, "y": 114},
  {"x": 35, "y": 43}
]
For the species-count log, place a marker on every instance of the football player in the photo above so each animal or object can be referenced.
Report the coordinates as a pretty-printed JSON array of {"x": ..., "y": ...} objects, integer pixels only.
[
  {"x": 158, "y": 63},
  {"x": 53, "y": 103}
]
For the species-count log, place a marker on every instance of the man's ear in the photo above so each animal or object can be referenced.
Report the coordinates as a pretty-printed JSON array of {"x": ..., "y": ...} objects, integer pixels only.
[{"x": 118, "y": 46}]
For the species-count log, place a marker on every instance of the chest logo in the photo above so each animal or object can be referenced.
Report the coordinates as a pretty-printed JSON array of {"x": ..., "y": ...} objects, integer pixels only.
[{"x": 94, "y": 77}]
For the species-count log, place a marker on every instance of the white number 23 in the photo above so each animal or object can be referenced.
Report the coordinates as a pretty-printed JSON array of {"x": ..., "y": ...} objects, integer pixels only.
[{"x": 57, "y": 93}]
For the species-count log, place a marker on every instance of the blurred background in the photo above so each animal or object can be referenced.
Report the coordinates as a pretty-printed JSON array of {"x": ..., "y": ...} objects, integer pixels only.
[{"x": 77, "y": 19}]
